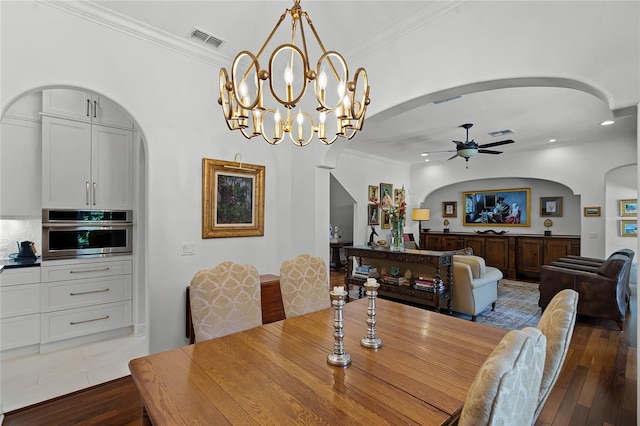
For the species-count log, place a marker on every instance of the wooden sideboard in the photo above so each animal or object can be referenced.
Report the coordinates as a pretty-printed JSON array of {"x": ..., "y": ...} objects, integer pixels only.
[
  {"x": 434, "y": 264},
  {"x": 516, "y": 255}
]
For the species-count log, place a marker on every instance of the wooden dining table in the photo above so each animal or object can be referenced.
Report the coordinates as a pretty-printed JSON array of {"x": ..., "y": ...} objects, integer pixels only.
[{"x": 278, "y": 373}]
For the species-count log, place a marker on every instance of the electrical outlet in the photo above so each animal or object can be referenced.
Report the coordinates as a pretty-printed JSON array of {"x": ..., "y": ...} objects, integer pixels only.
[{"x": 187, "y": 249}]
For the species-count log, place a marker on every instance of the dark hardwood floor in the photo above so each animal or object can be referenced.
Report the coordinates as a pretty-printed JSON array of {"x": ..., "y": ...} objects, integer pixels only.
[{"x": 597, "y": 386}]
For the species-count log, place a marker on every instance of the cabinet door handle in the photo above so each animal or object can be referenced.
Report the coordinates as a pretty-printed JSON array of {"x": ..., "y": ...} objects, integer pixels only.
[
  {"x": 95, "y": 108},
  {"x": 86, "y": 193},
  {"x": 94, "y": 193},
  {"x": 89, "y": 320},
  {"x": 88, "y": 107},
  {"x": 89, "y": 292},
  {"x": 82, "y": 271}
]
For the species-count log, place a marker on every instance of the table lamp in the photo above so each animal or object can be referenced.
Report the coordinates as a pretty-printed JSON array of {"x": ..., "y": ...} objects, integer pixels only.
[{"x": 420, "y": 215}]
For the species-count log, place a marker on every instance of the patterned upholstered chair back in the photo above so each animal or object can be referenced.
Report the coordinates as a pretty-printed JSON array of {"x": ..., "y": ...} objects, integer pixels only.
[
  {"x": 505, "y": 390},
  {"x": 557, "y": 323},
  {"x": 225, "y": 300},
  {"x": 304, "y": 284}
]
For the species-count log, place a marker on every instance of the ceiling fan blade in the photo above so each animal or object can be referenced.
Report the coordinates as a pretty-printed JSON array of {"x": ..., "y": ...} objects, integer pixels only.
[
  {"x": 452, "y": 157},
  {"x": 448, "y": 150},
  {"x": 489, "y": 145},
  {"x": 488, "y": 151}
]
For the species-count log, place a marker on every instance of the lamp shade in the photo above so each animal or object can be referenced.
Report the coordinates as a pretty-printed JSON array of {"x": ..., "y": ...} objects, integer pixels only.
[{"x": 421, "y": 214}]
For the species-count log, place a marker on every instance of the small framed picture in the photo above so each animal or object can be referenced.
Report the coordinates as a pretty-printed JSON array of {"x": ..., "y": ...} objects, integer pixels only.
[
  {"x": 449, "y": 209},
  {"x": 373, "y": 192},
  {"x": 628, "y": 228},
  {"x": 373, "y": 214},
  {"x": 385, "y": 219},
  {"x": 592, "y": 211},
  {"x": 551, "y": 206},
  {"x": 629, "y": 208},
  {"x": 386, "y": 194}
]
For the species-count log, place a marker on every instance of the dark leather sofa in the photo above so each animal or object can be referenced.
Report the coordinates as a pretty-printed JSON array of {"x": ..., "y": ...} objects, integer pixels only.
[
  {"x": 591, "y": 264},
  {"x": 602, "y": 293}
]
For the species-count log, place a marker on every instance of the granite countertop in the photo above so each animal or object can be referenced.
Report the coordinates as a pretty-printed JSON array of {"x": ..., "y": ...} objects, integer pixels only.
[{"x": 8, "y": 263}]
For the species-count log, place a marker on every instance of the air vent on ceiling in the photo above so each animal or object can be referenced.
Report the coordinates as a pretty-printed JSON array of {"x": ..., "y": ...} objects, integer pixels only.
[
  {"x": 499, "y": 133},
  {"x": 205, "y": 38}
]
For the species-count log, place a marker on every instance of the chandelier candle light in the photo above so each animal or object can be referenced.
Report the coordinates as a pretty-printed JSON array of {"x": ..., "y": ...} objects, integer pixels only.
[
  {"x": 340, "y": 103},
  {"x": 338, "y": 357},
  {"x": 371, "y": 341}
]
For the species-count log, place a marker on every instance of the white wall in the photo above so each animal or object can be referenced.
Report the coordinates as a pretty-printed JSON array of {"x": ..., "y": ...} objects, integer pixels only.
[{"x": 621, "y": 185}]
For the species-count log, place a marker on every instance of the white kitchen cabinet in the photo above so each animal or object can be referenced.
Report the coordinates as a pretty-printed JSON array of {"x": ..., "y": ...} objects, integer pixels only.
[
  {"x": 84, "y": 106},
  {"x": 20, "y": 168},
  {"x": 81, "y": 297},
  {"x": 86, "y": 165},
  {"x": 20, "y": 307}
]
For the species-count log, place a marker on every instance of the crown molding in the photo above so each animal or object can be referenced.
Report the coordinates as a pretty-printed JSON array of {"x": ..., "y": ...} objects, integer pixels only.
[{"x": 131, "y": 27}]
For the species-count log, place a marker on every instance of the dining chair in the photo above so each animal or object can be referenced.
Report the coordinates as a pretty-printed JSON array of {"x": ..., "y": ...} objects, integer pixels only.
[
  {"x": 304, "y": 284},
  {"x": 505, "y": 389},
  {"x": 225, "y": 300},
  {"x": 556, "y": 323}
]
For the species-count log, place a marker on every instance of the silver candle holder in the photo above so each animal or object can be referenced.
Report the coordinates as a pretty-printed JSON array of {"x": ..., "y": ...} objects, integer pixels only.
[
  {"x": 338, "y": 357},
  {"x": 371, "y": 341}
]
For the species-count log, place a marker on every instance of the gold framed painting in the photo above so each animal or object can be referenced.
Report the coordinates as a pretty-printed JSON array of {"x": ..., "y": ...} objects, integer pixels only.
[
  {"x": 449, "y": 209},
  {"x": 373, "y": 192},
  {"x": 593, "y": 211},
  {"x": 629, "y": 208},
  {"x": 498, "y": 207},
  {"x": 628, "y": 228},
  {"x": 232, "y": 199},
  {"x": 550, "y": 206}
]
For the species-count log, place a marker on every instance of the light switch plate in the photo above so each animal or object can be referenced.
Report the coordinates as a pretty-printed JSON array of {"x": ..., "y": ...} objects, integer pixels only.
[{"x": 187, "y": 249}]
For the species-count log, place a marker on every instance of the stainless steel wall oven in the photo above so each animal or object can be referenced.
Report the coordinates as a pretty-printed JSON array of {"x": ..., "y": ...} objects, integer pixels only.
[{"x": 80, "y": 233}]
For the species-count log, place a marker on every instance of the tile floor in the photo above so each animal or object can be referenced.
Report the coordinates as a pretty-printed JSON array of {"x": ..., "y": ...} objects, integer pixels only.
[{"x": 29, "y": 379}]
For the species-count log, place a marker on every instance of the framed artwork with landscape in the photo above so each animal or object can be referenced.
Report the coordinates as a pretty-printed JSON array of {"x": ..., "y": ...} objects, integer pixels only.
[
  {"x": 593, "y": 211},
  {"x": 628, "y": 228},
  {"x": 550, "y": 206},
  {"x": 629, "y": 208},
  {"x": 499, "y": 207},
  {"x": 449, "y": 209},
  {"x": 232, "y": 199}
]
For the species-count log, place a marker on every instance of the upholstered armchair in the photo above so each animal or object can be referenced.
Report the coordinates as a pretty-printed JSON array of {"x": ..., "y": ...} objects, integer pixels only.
[
  {"x": 602, "y": 293},
  {"x": 591, "y": 264},
  {"x": 475, "y": 285}
]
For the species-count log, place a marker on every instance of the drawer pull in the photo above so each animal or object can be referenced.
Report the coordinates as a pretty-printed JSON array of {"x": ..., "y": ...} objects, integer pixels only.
[
  {"x": 106, "y": 268},
  {"x": 89, "y": 292},
  {"x": 95, "y": 319}
]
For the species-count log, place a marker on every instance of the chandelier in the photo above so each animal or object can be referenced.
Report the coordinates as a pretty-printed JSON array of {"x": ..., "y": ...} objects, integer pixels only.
[{"x": 340, "y": 104}]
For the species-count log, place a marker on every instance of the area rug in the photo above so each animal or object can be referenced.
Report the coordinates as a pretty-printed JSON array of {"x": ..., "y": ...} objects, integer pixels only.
[{"x": 516, "y": 308}]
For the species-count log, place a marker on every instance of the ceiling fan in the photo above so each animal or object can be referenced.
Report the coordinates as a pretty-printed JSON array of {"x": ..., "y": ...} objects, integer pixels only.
[{"x": 469, "y": 148}]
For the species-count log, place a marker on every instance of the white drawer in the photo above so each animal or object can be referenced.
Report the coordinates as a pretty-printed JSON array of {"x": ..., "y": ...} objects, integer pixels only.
[
  {"x": 80, "y": 271},
  {"x": 81, "y": 321},
  {"x": 78, "y": 293},
  {"x": 19, "y": 331},
  {"x": 19, "y": 300},
  {"x": 15, "y": 276}
]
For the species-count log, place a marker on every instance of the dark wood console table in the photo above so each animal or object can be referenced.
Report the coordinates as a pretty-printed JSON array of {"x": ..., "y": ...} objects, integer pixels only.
[
  {"x": 516, "y": 255},
  {"x": 336, "y": 263},
  {"x": 421, "y": 263}
]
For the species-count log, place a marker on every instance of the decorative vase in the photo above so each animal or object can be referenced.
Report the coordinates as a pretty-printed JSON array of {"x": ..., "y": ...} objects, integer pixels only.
[{"x": 397, "y": 234}]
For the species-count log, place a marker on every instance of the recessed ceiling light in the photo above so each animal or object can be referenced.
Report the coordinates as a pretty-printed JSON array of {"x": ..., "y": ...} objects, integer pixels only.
[
  {"x": 424, "y": 154},
  {"x": 607, "y": 122},
  {"x": 426, "y": 160},
  {"x": 552, "y": 140}
]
